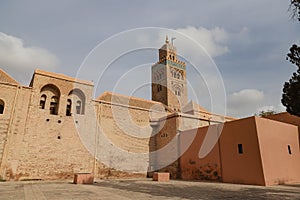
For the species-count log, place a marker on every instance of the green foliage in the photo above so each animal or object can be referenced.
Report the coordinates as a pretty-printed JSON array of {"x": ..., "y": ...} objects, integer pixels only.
[
  {"x": 291, "y": 94},
  {"x": 291, "y": 90},
  {"x": 294, "y": 55},
  {"x": 266, "y": 113},
  {"x": 295, "y": 9}
]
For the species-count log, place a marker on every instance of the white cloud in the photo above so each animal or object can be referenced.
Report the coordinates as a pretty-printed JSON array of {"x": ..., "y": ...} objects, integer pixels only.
[
  {"x": 121, "y": 48},
  {"x": 189, "y": 40},
  {"x": 244, "y": 102},
  {"x": 213, "y": 41},
  {"x": 20, "y": 60}
]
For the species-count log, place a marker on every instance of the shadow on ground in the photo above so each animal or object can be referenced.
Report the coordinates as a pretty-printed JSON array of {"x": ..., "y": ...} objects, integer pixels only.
[{"x": 199, "y": 190}]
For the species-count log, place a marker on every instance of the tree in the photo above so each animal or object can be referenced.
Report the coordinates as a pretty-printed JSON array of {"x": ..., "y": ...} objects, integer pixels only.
[
  {"x": 263, "y": 113},
  {"x": 291, "y": 90},
  {"x": 291, "y": 95},
  {"x": 295, "y": 9}
]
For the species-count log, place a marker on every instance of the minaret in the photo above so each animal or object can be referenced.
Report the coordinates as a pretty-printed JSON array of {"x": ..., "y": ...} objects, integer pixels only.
[{"x": 169, "y": 78}]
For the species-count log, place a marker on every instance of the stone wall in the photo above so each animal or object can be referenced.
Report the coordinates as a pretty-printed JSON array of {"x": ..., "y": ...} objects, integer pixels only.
[
  {"x": 7, "y": 95},
  {"x": 113, "y": 136},
  {"x": 42, "y": 145},
  {"x": 15, "y": 116},
  {"x": 167, "y": 141}
]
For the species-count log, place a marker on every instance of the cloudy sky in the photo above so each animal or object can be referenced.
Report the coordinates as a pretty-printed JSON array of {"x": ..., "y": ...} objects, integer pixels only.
[{"x": 241, "y": 45}]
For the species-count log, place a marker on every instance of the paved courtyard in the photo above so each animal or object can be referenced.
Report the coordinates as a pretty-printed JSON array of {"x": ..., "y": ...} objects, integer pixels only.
[{"x": 142, "y": 189}]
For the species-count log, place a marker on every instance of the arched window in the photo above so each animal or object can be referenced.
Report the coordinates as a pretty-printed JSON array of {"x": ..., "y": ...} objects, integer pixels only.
[
  {"x": 77, "y": 99},
  {"x": 54, "y": 106},
  {"x": 43, "y": 101},
  {"x": 69, "y": 107},
  {"x": 49, "y": 98},
  {"x": 78, "y": 107},
  {"x": 1, "y": 107}
]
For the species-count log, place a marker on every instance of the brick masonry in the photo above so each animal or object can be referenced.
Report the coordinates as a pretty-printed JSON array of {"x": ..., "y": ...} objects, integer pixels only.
[
  {"x": 54, "y": 128},
  {"x": 38, "y": 145}
]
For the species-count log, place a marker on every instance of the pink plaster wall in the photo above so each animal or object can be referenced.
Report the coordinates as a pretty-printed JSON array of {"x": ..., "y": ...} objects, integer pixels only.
[
  {"x": 245, "y": 168},
  {"x": 191, "y": 166},
  {"x": 279, "y": 166}
]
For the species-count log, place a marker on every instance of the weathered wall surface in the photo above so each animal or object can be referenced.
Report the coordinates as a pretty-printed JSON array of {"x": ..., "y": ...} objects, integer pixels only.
[
  {"x": 54, "y": 146},
  {"x": 192, "y": 167},
  {"x": 48, "y": 146},
  {"x": 124, "y": 137},
  {"x": 7, "y": 95},
  {"x": 279, "y": 147},
  {"x": 167, "y": 141},
  {"x": 249, "y": 151},
  {"x": 174, "y": 124},
  {"x": 166, "y": 146},
  {"x": 159, "y": 83},
  {"x": 42, "y": 137},
  {"x": 13, "y": 123}
]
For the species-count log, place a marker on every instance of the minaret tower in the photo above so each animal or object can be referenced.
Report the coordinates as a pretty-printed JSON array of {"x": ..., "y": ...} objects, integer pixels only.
[{"x": 169, "y": 78}]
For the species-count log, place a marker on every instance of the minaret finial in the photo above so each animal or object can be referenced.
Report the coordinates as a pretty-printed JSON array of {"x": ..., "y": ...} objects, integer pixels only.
[{"x": 167, "y": 39}]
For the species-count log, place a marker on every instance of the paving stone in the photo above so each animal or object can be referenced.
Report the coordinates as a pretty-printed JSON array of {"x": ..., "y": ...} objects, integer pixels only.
[{"x": 145, "y": 189}]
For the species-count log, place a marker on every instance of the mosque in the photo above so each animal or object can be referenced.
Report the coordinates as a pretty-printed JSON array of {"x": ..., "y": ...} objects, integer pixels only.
[{"x": 53, "y": 128}]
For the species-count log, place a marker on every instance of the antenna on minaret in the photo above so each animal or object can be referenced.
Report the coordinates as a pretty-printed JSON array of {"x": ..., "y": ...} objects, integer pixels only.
[
  {"x": 167, "y": 39},
  {"x": 172, "y": 39}
]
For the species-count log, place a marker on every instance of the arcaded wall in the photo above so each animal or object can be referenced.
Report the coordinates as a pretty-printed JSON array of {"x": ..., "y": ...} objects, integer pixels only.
[
  {"x": 49, "y": 146},
  {"x": 279, "y": 147}
]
